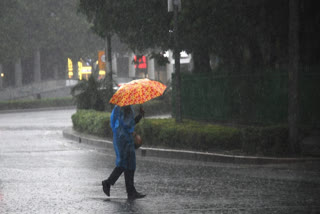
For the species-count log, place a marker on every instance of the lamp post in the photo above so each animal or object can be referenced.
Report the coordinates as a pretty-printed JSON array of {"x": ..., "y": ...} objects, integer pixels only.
[{"x": 175, "y": 6}]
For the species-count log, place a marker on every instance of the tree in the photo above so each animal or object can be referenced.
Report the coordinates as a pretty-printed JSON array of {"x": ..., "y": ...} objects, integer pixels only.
[
  {"x": 100, "y": 13},
  {"x": 223, "y": 28},
  {"x": 246, "y": 36},
  {"x": 11, "y": 34},
  {"x": 50, "y": 27},
  {"x": 88, "y": 95}
]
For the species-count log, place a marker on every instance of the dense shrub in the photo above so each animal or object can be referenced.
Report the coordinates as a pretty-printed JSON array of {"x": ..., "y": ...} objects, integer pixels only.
[
  {"x": 92, "y": 122},
  {"x": 267, "y": 141},
  {"x": 166, "y": 133},
  {"x": 39, "y": 103},
  {"x": 188, "y": 135}
]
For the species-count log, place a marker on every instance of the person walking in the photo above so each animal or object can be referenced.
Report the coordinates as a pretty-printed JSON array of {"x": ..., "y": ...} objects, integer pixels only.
[{"x": 122, "y": 122}]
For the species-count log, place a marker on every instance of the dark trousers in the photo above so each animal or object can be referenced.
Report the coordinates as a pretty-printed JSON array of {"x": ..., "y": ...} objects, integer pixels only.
[
  {"x": 128, "y": 177},
  {"x": 115, "y": 174}
]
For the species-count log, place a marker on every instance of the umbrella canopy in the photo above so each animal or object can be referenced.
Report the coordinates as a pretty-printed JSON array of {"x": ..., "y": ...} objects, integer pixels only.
[{"x": 137, "y": 92}]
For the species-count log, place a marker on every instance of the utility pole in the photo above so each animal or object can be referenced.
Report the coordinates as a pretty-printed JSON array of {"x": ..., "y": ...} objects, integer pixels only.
[{"x": 176, "y": 7}]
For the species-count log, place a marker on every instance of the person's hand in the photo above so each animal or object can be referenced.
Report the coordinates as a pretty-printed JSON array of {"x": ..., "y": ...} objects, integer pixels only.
[{"x": 141, "y": 111}]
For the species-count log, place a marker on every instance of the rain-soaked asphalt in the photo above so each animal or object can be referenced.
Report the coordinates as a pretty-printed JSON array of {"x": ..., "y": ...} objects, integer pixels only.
[{"x": 42, "y": 172}]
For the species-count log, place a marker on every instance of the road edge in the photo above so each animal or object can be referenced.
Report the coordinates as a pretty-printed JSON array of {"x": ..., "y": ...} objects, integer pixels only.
[
  {"x": 37, "y": 109},
  {"x": 71, "y": 134}
]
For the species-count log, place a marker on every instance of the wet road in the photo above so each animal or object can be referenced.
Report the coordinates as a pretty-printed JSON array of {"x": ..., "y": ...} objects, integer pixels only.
[{"x": 42, "y": 172}]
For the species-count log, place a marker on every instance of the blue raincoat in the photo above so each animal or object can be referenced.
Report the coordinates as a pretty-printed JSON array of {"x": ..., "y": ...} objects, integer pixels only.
[{"x": 122, "y": 127}]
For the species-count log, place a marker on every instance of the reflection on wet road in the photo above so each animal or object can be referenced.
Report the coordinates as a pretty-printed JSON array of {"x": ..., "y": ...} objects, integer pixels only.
[{"x": 42, "y": 172}]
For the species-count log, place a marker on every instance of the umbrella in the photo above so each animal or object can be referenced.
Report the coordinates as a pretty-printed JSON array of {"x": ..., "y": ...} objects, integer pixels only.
[{"x": 137, "y": 92}]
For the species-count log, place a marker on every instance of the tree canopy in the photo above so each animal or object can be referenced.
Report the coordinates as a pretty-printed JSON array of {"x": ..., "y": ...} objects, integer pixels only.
[
  {"x": 241, "y": 34},
  {"x": 54, "y": 27}
]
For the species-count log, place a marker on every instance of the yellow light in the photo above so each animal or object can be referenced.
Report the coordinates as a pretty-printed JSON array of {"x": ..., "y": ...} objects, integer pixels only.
[
  {"x": 70, "y": 68},
  {"x": 80, "y": 70},
  {"x": 70, "y": 74},
  {"x": 86, "y": 70},
  {"x": 2, "y": 74},
  {"x": 102, "y": 72}
]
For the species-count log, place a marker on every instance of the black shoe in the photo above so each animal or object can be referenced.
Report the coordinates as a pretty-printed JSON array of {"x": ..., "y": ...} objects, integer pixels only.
[
  {"x": 106, "y": 187},
  {"x": 135, "y": 195}
]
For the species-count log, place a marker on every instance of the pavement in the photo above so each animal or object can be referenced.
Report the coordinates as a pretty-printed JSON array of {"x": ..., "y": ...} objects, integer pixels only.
[
  {"x": 36, "y": 109},
  {"x": 44, "y": 172},
  {"x": 104, "y": 143}
]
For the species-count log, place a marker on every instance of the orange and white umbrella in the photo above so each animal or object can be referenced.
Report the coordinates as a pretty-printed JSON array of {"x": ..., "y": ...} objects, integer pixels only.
[{"x": 137, "y": 92}]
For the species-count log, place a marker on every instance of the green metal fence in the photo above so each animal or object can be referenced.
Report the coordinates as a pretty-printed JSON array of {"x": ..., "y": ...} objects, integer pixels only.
[
  {"x": 248, "y": 98},
  {"x": 309, "y": 99}
]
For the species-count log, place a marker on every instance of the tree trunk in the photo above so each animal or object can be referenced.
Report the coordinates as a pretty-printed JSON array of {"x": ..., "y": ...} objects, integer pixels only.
[
  {"x": 18, "y": 73},
  {"x": 109, "y": 55},
  {"x": 1, "y": 78},
  {"x": 108, "y": 78},
  {"x": 37, "y": 67},
  {"x": 56, "y": 72},
  {"x": 293, "y": 108},
  {"x": 75, "y": 69}
]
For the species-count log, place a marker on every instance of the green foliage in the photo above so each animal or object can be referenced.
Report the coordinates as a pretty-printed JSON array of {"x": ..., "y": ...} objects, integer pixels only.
[
  {"x": 192, "y": 135},
  {"x": 266, "y": 141},
  {"x": 188, "y": 135},
  {"x": 40, "y": 103},
  {"x": 144, "y": 25},
  {"x": 240, "y": 33},
  {"x": 92, "y": 122},
  {"x": 89, "y": 95},
  {"x": 159, "y": 58},
  {"x": 164, "y": 132}
]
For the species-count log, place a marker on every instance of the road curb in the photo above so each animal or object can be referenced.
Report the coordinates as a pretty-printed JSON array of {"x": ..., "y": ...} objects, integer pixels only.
[{"x": 71, "y": 134}]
